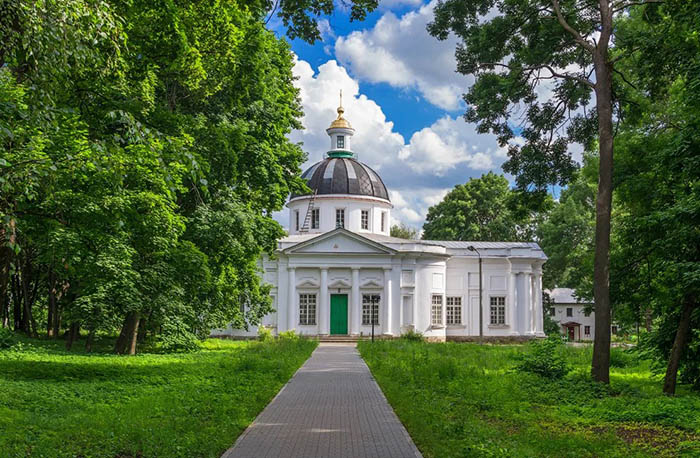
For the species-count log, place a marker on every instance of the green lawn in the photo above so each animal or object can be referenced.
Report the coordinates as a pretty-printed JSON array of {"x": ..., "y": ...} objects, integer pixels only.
[
  {"x": 463, "y": 400},
  {"x": 56, "y": 404}
]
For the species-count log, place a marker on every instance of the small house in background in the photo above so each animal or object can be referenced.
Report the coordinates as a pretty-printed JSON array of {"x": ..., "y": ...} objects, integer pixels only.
[{"x": 575, "y": 319}]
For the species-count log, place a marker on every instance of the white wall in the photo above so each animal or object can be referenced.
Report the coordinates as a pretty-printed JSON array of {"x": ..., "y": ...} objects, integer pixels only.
[
  {"x": 353, "y": 206},
  {"x": 578, "y": 315}
]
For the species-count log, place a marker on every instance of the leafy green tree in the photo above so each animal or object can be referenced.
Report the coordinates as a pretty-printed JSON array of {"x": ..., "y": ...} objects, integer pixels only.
[
  {"x": 565, "y": 49},
  {"x": 144, "y": 148},
  {"x": 404, "y": 231},
  {"x": 483, "y": 208},
  {"x": 566, "y": 234},
  {"x": 658, "y": 177}
]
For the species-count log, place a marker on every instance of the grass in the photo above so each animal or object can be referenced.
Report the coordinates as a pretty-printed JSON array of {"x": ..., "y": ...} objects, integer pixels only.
[
  {"x": 59, "y": 404},
  {"x": 464, "y": 400}
]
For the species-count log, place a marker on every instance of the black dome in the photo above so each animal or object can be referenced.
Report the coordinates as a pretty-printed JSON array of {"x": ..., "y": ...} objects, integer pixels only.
[{"x": 341, "y": 175}]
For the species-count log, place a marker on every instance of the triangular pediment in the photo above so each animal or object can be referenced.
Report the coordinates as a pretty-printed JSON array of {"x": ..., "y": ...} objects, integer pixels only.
[{"x": 340, "y": 241}]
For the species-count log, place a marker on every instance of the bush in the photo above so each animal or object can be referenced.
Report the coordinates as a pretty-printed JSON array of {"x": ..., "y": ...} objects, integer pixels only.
[
  {"x": 544, "y": 358},
  {"x": 412, "y": 336},
  {"x": 289, "y": 335},
  {"x": 265, "y": 334},
  {"x": 7, "y": 338}
]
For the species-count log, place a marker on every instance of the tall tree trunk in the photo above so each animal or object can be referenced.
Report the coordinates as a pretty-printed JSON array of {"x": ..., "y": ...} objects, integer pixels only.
[
  {"x": 5, "y": 257},
  {"x": 72, "y": 334},
  {"x": 29, "y": 321},
  {"x": 51, "y": 280},
  {"x": 17, "y": 303},
  {"x": 90, "y": 339},
  {"x": 600, "y": 367},
  {"x": 126, "y": 343},
  {"x": 679, "y": 343}
]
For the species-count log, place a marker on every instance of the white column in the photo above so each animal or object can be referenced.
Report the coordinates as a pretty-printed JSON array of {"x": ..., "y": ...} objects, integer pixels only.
[
  {"x": 324, "y": 306},
  {"x": 539, "y": 330},
  {"x": 527, "y": 303},
  {"x": 398, "y": 300},
  {"x": 292, "y": 298},
  {"x": 355, "y": 311},
  {"x": 386, "y": 325},
  {"x": 512, "y": 303}
]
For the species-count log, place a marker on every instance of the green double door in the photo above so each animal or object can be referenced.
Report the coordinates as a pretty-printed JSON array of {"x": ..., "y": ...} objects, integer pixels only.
[{"x": 339, "y": 313}]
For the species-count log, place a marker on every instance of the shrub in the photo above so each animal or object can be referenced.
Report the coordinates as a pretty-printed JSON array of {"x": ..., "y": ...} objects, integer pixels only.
[
  {"x": 264, "y": 334},
  {"x": 621, "y": 358},
  {"x": 412, "y": 336},
  {"x": 7, "y": 338},
  {"x": 289, "y": 335},
  {"x": 544, "y": 358}
]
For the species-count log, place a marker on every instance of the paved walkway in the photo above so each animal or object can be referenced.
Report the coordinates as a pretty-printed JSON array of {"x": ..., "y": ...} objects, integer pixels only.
[{"x": 332, "y": 407}]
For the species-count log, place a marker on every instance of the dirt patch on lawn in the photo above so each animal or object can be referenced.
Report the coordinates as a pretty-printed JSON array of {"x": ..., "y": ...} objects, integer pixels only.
[{"x": 663, "y": 441}]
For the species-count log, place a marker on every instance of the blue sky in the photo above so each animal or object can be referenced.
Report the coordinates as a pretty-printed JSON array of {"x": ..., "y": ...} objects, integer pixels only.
[{"x": 403, "y": 97}]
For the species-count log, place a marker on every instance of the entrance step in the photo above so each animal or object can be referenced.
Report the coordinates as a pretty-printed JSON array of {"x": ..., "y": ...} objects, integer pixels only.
[{"x": 344, "y": 338}]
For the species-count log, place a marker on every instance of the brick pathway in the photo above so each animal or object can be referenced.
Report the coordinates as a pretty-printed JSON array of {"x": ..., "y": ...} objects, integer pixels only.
[{"x": 332, "y": 407}]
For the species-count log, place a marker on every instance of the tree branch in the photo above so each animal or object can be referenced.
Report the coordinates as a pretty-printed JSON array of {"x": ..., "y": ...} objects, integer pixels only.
[
  {"x": 577, "y": 36},
  {"x": 624, "y": 5},
  {"x": 540, "y": 67}
]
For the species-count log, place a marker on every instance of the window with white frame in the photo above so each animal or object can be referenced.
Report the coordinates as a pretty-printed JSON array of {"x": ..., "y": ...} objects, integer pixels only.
[
  {"x": 307, "y": 309},
  {"x": 370, "y": 309},
  {"x": 436, "y": 310},
  {"x": 315, "y": 218},
  {"x": 498, "y": 310},
  {"x": 552, "y": 311},
  {"x": 364, "y": 220},
  {"x": 569, "y": 311},
  {"x": 339, "y": 217},
  {"x": 296, "y": 219},
  {"x": 587, "y": 331},
  {"x": 340, "y": 141},
  {"x": 454, "y": 310},
  {"x": 383, "y": 221}
]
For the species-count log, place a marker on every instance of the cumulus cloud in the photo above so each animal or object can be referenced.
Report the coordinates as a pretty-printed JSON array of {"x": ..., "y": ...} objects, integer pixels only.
[
  {"x": 418, "y": 173},
  {"x": 448, "y": 143},
  {"x": 399, "y": 51}
]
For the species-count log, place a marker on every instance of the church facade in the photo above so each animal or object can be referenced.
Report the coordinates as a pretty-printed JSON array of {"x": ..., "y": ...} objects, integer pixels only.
[{"x": 339, "y": 272}]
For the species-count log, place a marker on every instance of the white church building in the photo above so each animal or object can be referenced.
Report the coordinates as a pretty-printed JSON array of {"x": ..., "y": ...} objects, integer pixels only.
[{"x": 339, "y": 270}]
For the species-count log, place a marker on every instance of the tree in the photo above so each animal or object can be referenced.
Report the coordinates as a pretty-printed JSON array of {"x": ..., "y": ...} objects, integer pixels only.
[
  {"x": 143, "y": 148},
  {"x": 565, "y": 49},
  {"x": 483, "y": 208},
  {"x": 404, "y": 231},
  {"x": 657, "y": 183},
  {"x": 566, "y": 233}
]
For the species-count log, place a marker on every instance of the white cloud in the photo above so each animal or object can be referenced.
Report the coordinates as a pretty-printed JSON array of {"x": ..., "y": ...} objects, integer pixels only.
[
  {"x": 399, "y": 51},
  {"x": 448, "y": 143},
  {"x": 417, "y": 174}
]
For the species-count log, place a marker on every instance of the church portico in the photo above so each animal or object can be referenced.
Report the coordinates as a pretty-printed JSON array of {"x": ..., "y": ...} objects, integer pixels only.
[{"x": 339, "y": 271}]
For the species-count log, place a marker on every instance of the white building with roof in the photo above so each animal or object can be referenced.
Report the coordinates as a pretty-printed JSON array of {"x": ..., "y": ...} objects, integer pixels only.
[
  {"x": 338, "y": 271},
  {"x": 574, "y": 316}
]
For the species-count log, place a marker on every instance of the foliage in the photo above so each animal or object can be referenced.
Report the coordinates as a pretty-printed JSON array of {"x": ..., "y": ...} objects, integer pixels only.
[
  {"x": 7, "y": 338},
  {"x": 289, "y": 334},
  {"x": 265, "y": 334},
  {"x": 544, "y": 358},
  {"x": 300, "y": 17},
  {"x": 459, "y": 399},
  {"x": 483, "y": 209},
  {"x": 139, "y": 170},
  {"x": 656, "y": 268},
  {"x": 404, "y": 231},
  {"x": 180, "y": 405},
  {"x": 566, "y": 233},
  {"x": 413, "y": 336}
]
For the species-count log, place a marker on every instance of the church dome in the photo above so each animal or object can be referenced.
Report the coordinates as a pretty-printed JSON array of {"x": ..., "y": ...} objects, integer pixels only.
[{"x": 344, "y": 175}]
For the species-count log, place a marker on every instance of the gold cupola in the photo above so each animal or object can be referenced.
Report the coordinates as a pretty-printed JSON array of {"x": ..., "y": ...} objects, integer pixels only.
[{"x": 340, "y": 132}]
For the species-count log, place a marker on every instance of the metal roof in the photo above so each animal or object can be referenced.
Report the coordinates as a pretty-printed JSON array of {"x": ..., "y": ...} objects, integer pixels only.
[{"x": 344, "y": 175}]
